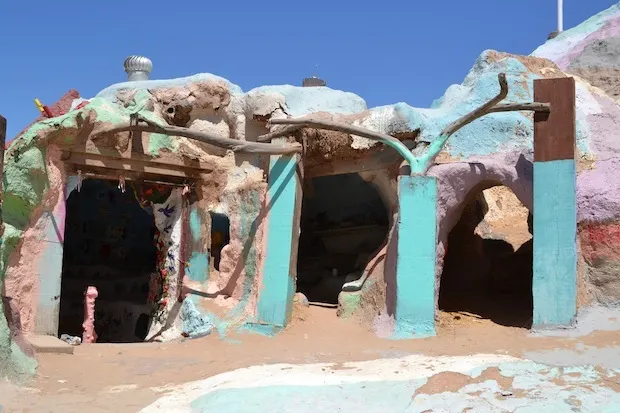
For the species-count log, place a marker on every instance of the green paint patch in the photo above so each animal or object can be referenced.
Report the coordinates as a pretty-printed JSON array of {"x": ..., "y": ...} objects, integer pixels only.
[
  {"x": 349, "y": 303},
  {"x": 159, "y": 142}
]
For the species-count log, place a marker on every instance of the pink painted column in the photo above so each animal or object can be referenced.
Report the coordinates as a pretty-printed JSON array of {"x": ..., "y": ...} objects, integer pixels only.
[{"x": 89, "y": 336}]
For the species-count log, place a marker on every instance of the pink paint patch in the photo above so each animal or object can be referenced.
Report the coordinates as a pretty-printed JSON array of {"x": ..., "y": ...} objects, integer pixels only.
[
  {"x": 600, "y": 241},
  {"x": 89, "y": 336},
  {"x": 610, "y": 29}
]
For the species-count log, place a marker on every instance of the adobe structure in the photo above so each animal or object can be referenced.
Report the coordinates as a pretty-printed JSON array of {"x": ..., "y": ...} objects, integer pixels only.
[{"x": 158, "y": 190}]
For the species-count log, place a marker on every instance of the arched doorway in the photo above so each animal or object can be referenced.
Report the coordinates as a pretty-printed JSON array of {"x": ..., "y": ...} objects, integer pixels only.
[
  {"x": 343, "y": 222},
  {"x": 109, "y": 244},
  {"x": 487, "y": 269}
]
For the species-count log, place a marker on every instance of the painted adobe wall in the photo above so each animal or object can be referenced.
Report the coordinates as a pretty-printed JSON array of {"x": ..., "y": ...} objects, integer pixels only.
[
  {"x": 496, "y": 149},
  {"x": 590, "y": 52},
  {"x": 35, "y": 183}
]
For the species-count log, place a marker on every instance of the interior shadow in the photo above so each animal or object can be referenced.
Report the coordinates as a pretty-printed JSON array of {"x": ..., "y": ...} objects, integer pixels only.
[
  {"x": 484, "y": 276},
  {"x": 343, "y": 223}
]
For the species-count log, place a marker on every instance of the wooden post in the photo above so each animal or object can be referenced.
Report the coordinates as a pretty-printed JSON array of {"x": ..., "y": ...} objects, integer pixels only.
[
  {"x": 2, "y": 145},
  {"x": 554, "y": 286},
  {"x": 416, "y": 256}
]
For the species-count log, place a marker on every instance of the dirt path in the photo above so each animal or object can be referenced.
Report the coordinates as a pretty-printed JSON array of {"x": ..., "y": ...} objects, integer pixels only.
[{"x": 127, "y": 377}]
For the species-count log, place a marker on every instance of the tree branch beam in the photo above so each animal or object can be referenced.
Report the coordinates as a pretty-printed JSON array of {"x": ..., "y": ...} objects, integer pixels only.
[
  {"x": 309, "y": 122},
  {"x": 226, "y": 143}
]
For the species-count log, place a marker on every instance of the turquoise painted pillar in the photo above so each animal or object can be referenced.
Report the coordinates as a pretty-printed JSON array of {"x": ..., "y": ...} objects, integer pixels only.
[
  {"x": 555, "y": 248},
  {"x": 554, "y": 284},
  {"x": 275, "y": 300},
  {"x": 416, "y": 257}
]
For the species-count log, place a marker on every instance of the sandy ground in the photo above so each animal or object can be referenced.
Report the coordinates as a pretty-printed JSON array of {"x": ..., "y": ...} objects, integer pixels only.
[{"x": 127, "y": 377}]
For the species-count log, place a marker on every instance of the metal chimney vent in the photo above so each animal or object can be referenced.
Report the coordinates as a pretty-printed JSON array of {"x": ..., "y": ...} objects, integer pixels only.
[
  {"x": 313, "y": 82},
  {"x": 138, "y": 68}
]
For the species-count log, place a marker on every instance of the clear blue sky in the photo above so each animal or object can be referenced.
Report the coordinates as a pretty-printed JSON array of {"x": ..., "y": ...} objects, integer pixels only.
[{"x": 385, "y": 51}]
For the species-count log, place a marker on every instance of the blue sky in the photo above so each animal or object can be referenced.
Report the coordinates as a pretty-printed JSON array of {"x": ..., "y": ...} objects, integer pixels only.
[{"x": 385, "y": 51}]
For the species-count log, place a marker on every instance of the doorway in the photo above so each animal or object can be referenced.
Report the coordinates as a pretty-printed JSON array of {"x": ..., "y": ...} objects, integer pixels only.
[
  {"x": 343, "y": 221},
  {"x": 488, "y": 263},
  {"x": 109, "y": 244}
]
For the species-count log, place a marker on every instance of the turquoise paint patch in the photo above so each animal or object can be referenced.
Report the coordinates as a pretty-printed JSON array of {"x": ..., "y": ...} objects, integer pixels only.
[
  {"x": 72, "y": 183},
  {"x": 416, "y": 255},
  {"x": 262, "y": 329},
  {"x": 198, "y": 269},
  {"x": 276, "y": 296},
  {"x": 195, "y": 324},
  {"x": 369, "y": 396},
  {"x": 555, "y": 248},
  {"x": 194, "y": 224},
  {"x": 50, "y": 275}
]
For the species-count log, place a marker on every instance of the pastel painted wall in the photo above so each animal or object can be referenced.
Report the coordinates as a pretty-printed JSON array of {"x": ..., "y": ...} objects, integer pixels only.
[{"x": 495, "y": 149}]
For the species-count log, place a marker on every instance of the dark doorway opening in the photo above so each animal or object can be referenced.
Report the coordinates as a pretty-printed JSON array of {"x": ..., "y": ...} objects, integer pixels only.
[
  {"x": 488, "y": 264},
  {"x": 220, "y": 236},
  {"x": 343, "y": 221},
  {"x": 109, "y": 244}
]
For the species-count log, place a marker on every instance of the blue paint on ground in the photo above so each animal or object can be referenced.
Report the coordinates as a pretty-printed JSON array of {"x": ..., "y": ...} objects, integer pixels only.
[
  {"x": 386, "y": 396},
  {"x": 534, "y": 388},
  {"x": 262, "y": 329},
  {"x": 275, "y": 299},
  {"x": 555, "y": 248},
  {"x": 415, "y": 265}
]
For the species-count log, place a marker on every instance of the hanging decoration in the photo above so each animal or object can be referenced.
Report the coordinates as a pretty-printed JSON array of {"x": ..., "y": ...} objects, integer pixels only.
[
  {"x": 79, "y": 180},
  {"x": 185, "y": 189},
  {"x": 121, "y": 184}
]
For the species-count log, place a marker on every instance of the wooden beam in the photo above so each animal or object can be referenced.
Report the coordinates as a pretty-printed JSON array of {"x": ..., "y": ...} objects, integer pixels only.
[
  {"x": 163, "y": 159},
  {"x": 555, "y": 132},
  {"x": 129, "y": 166},
  {"x": 113, "y": 175}
]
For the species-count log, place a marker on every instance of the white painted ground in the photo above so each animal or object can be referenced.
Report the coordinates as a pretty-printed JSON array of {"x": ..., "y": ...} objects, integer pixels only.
[{"x": 389, "y": 385}]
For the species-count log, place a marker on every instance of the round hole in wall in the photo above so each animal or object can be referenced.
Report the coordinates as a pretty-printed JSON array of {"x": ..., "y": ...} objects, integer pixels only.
[{"x": 170, "y": 110}]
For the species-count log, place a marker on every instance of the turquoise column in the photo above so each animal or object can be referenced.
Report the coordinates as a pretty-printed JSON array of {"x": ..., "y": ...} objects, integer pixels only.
[
  {"x": 416, "y": 257},
  {"x": 50, "y": 271},
  {"x": 554, "y": 286},
  {"x": 275, "y": 299}
]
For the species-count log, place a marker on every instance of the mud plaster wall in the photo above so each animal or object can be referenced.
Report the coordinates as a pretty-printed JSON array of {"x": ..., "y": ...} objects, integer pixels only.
[
  {"x": 26, "y": 273},
  {"x": 588, "y": 51},
  {"x": 496, "y": 148}
]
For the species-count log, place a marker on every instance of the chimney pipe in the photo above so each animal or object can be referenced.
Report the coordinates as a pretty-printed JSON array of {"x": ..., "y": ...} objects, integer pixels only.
[
  {"x": 313, "y": 82},
  {"x": 138, "y": 68},
  {"x": 560, "y": 16}
]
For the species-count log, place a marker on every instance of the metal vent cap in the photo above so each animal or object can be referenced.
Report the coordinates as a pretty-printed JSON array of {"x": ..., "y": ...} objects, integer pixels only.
[{"x": 138, "y": 67}]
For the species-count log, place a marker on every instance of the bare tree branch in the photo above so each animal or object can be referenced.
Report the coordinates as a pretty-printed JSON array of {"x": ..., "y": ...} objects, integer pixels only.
[
  {"x": 285, "y": 131},
  {"x": 350, "y": 129},
  {"x": 481, "y": 111},
  {"x": 517, "y": 107},
  {"x": 226, "y": 143}
]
